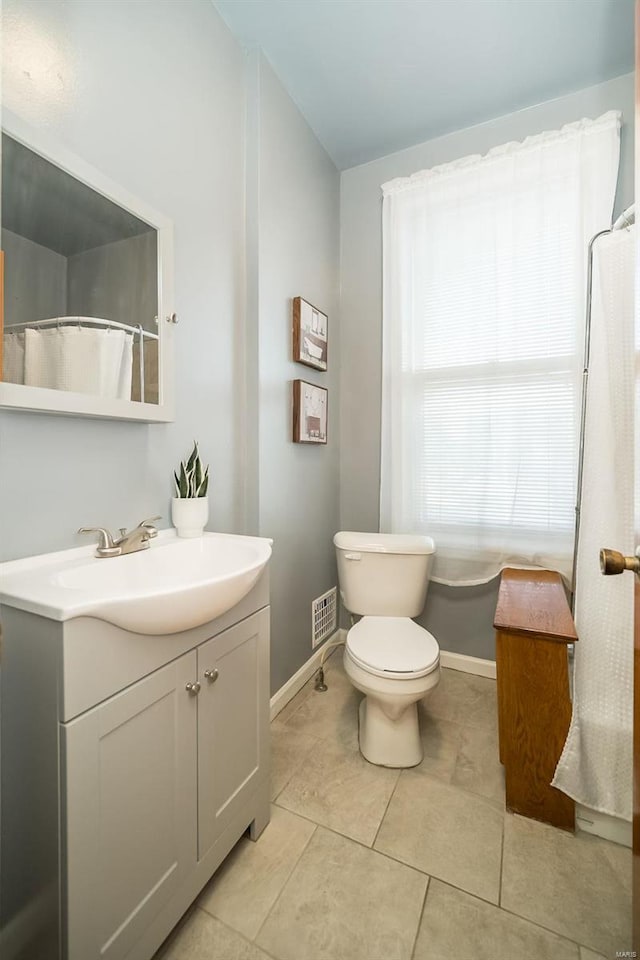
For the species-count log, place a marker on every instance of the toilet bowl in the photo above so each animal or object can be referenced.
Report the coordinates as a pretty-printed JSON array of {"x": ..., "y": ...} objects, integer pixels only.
[
  {"x": 388, "y": 657},
  {"x": 395, "y": 663}
]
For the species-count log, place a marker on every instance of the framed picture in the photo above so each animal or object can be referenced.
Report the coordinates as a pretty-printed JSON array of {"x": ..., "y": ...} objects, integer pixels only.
[
  {"x": 309, "y": 334},
  {"x": 309, "y": 412}
]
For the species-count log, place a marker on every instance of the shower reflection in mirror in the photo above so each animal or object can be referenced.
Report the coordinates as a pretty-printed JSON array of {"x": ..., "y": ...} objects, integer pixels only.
[{"x": 80, "y": 285}]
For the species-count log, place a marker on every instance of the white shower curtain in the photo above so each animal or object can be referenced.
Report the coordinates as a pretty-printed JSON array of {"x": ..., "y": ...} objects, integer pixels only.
[
  {"x": 13, "y": 359},
  {"x": 596, "y": 765},
  {"x": 79, "y": 359}
]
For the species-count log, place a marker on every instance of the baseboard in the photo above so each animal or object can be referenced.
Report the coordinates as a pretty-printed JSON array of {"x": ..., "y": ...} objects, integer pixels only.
[
  {"x": 603, "y": 825},
  {"x": 460, "y": 661},
  {"x": 295, "y": 683}
]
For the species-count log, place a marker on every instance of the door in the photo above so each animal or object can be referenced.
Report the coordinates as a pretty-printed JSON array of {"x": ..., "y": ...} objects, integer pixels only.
[
  {"x": 233, "y": 723},
  {"x": 636, "y": 770},
  {"x": 129, "y": 810},
  {"x": 612, "y": 562}
]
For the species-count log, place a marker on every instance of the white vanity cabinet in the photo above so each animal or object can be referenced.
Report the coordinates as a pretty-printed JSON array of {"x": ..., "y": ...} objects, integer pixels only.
[{"x": 161, "y": 764}]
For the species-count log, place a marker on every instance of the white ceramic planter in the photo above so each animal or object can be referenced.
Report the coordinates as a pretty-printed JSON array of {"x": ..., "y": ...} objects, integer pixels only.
[{"x": 190, "y": 515}]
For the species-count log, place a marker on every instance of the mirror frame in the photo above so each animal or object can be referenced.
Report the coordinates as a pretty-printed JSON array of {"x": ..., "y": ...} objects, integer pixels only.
[{"x": 18, "y": 396}]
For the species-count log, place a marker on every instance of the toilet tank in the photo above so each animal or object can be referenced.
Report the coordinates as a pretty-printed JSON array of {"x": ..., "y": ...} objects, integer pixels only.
[{"x": 383, "y": 574}]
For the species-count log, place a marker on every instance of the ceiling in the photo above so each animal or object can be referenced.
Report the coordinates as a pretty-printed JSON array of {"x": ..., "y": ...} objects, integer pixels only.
[{"x": 375, "y": 76}]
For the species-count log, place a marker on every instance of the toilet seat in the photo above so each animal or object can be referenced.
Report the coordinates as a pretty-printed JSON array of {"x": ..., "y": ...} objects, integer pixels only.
[{"x": 393, "y": 647}]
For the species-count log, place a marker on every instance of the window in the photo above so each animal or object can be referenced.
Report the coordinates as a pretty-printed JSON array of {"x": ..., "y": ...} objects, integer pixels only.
[{"x": 484, "y": 297}]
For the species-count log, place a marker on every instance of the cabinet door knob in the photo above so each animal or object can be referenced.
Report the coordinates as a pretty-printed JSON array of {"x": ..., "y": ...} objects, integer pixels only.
[
  {"x": 212, "y": 675},
  {"x": 193, "y": 689}
]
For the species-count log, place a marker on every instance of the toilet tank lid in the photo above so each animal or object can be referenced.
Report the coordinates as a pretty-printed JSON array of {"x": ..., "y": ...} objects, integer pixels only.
[{"x": 383, "y": 542}]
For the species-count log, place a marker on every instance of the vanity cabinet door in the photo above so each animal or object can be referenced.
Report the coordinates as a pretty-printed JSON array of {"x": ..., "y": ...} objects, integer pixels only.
[
  {"x": 233, "y": 723},
  {"x": 129, "y": 810}
]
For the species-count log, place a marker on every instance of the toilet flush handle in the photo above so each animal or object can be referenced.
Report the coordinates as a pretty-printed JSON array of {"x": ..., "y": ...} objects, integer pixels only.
[{"x": 353, "y": 556}]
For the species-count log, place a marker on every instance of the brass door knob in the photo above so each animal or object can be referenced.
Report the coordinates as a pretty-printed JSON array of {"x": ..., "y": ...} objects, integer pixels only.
[{"x": 612, "y": 562}]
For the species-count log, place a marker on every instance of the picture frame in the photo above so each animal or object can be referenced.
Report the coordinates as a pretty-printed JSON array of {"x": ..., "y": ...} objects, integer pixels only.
[
  {"x": 310, "y": 334},
  {"x": 310, "y": 412}
]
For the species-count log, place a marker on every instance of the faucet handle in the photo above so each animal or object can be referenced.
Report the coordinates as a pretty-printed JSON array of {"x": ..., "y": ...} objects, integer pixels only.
[
  {"x": 105, "y": 540},
  {"x": 106, "y": 547},
  {"x": 149, "y": 527}
]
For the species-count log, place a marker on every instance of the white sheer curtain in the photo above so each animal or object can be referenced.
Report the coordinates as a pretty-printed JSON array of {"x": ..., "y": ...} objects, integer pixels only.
[{"x": 483, "y": 316}]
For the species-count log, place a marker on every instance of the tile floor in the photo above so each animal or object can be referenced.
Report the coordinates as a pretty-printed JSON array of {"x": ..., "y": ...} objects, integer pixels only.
[{"x": 365, "y": 863}]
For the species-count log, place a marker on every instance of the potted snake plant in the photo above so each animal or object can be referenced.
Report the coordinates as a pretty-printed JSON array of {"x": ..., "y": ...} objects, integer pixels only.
[{"x": 190, "y": 506}]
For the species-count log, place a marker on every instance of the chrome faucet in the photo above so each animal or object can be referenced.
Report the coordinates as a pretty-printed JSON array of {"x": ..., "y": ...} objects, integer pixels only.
[{"x": 131, "y": 542}]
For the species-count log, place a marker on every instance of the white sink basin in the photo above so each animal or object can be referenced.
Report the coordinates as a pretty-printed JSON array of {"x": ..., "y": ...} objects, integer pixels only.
[{"x": 174, "y": 585}]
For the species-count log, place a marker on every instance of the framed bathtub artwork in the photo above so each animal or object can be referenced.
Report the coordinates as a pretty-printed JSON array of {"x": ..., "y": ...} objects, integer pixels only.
[
  {"x": 309, "y": 334},
  {"x": 309, "y": 412}
]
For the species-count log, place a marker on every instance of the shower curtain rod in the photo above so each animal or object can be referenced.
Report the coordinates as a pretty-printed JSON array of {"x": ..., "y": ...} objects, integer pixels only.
[
  {"x": 626, "y": 220},
  {"x": 69, "y": 321}
]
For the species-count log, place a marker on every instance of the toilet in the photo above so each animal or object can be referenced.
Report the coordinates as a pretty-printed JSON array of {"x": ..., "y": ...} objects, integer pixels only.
[{"x": 392, "y": 660}]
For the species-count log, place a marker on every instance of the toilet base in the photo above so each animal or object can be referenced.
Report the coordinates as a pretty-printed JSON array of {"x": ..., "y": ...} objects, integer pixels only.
[{"x": 389, "y": 743}]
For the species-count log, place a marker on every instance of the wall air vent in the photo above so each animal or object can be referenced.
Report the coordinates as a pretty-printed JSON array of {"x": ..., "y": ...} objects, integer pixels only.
[{"x": 323, "y": 616}]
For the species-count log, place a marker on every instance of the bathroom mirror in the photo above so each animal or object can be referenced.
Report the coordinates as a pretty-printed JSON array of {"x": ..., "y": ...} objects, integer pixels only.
[{"x": 87, "y": 319}]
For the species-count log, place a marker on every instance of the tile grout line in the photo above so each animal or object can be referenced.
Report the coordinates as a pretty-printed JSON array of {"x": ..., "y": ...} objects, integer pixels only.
[
  {"x": 411, "y": 866},
  {"x": 391, "y": 795},
  {"x": 345, "y": 836},
  {"x": 359, "y": 843},
  {"x": 516, "y": 916},
  {"x": 284, "y": 885},
  {"x": 295, "y": 864},
  {"x": 539, "y": 926},
  {"x": 236, "y": 932},
  {"x": 498, "y": 805},
  {"x": 420, "y": 918},
  {"x": 490, "y": 802},
  {"x": 494, "y": 801},
  {"x": 364, "y": 846},
  {"x": 313, "y": 746},
  {"x": 536, "y": 923}
]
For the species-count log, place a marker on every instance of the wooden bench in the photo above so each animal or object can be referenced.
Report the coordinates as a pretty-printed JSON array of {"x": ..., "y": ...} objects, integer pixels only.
[{"x": 533, "y": 629}]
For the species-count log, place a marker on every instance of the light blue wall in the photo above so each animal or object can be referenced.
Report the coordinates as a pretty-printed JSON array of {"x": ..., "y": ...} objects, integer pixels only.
[
  {"x": 460, "y": 620},
  {"x": 299, "y": 235},
  {"x": 210, "y": 138},
  {"x": 154, "y": 98}
]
